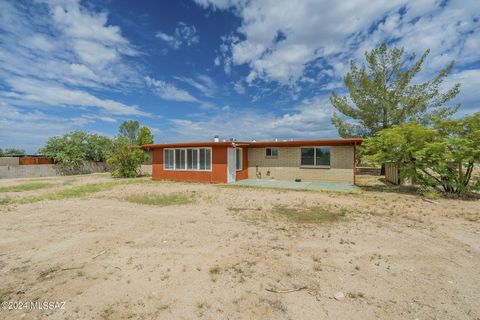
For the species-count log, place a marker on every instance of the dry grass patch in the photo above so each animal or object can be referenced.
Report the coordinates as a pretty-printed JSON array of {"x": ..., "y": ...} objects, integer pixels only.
[
  {"x": 162, "y": 200},
  {"x": 310, "y": 214},
  {"x": 29, "y": 186},
  {"x": 5, "y": 201},
  {"x": 75, "y": 192}
]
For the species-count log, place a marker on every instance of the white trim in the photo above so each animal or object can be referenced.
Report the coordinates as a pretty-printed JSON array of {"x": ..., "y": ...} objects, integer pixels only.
[
  {"x": 198, "y": 160},
  {"x": 315, "y": 166}
]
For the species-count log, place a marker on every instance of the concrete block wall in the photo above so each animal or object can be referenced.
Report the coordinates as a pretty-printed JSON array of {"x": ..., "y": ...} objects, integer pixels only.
[
  {"x": 36, "y": 170},
  {"x": 44, "y": 170},
  {"x": 287, "y": 165}
]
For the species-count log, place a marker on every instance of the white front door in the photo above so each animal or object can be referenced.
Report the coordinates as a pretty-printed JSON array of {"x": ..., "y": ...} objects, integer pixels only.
[{"x": 231, "y": 165}]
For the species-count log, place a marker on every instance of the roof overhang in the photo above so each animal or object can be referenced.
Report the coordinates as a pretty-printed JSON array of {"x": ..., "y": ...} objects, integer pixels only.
[{"x": 259, "y": 144}]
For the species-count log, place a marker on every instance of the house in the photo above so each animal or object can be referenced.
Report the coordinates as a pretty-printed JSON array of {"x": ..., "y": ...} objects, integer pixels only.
[{"x": 227, "y": 162}]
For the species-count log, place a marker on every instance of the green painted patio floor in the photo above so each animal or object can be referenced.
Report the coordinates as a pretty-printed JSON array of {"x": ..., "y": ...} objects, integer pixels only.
[{"x": 286, "y": 184}]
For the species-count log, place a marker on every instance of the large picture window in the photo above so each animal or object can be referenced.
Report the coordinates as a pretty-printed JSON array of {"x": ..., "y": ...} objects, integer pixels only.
[
  {"x": 191, "y": 159},
  {"x": 315, "y": 156}
]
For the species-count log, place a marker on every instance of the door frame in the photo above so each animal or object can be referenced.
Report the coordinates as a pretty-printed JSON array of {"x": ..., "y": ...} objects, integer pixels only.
[{"x": 231, "y": 165}]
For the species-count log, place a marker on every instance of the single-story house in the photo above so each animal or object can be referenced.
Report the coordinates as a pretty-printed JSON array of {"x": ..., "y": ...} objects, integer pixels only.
[{"x": 227, "y": 162}]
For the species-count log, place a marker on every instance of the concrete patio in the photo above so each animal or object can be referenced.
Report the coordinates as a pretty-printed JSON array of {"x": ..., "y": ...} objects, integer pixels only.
[{"x": 304, "y": 185}]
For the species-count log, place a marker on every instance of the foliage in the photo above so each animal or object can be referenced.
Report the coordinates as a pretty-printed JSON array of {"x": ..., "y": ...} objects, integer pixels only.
[
  {"x": 72, "y": 150},
  {"x": 383, "y": 94},
  {"x": 145, "y": 136},
  {"x": 134, "y": 133},
  {"x": 127, "y": 155},
  {"x": 125, "y": 160},
  {"x": 12, "y": 152},
  {"x": 442, "y": 156},
  {"x": 99, "y": 147},
  {"x": 130, "y": 130}
]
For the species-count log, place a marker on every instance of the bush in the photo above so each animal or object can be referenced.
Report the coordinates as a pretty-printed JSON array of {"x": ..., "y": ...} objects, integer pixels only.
[
  {"x": 125, "y": 159},
  {"x": 441, "y": 157}
]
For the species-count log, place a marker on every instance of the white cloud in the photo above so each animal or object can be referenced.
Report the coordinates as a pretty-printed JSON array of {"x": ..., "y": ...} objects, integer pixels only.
[
  {"x": 183, "y": 34},
  {"x": 51, "y": 94},
  {"x": 64, "y": 42},
  {"x": 30, "y": 129},
  {"x": 168, "y": 91},
  {"x": 280, "y": 38},
  {"x": 309, "y": 119},
  {"x": 66, "y": 51},
  {"x": 239, "y": 88},
  {"x": 202, "y": 83},
  {"x": 469, "y": 83}
]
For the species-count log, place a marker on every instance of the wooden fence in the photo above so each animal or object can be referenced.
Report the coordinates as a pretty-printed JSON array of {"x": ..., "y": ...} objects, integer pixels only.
[
  {"x": 25, "y": 161},
  {"x": 391, "y": 173}
]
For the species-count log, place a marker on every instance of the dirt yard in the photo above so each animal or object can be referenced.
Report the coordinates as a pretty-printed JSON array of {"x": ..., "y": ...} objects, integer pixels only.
[{"x": 215, "y": 252}]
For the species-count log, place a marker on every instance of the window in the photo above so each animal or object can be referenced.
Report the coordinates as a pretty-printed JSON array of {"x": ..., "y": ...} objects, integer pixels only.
[
  {"x": 315, "y": 157},
  {"x": 205, "y": 159},
  {"x": 192, "y": 159},
  {"x": 169, "y": 163},
  {"x": 239, "y": 154},
  {"x": 322, "y": 156},
  {"x": 308, "y": 157},
  {"x": 271, "y": 152}
]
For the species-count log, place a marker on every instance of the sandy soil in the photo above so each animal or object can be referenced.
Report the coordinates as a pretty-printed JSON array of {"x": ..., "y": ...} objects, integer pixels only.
[{"x": 394, "y": 256}]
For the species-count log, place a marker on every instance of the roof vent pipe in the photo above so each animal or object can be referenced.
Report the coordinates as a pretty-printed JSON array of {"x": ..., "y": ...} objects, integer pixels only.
[{"x": 216, "y": 139}]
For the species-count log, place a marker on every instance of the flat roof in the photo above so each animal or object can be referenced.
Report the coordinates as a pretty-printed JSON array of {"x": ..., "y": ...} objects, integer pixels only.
[{"x": 259, "y": 144}]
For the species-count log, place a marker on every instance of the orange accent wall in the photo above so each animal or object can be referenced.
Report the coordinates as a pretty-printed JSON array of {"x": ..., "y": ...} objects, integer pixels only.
[
  {"x": 243, "y": 174},
  {"x": 217, "y": 175}
]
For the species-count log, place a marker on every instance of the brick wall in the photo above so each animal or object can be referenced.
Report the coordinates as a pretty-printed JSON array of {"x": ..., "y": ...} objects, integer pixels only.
[{"x": 287, "y": 165}]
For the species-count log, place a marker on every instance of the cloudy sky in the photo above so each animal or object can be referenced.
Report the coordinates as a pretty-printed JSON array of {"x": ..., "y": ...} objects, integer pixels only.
[{"x": 192, "y": 69}]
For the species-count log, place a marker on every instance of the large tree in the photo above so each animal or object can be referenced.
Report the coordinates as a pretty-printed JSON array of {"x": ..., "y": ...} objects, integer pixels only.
[
  {"x": 129, "y": 130},
  {"x": 384, "y": 93},
  {"x": 74, "y": 149}
]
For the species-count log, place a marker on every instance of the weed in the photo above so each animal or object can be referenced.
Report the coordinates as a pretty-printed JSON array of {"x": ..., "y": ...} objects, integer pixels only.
[
  {"x": 5, "y": 201},
  {"x": 202, "y": 305},
  {"x": 45, "y": 274},
  {"x": 310, "y": 214},
  {"x": 161, "y": 200},
  {"x": 215, "y": 270}
]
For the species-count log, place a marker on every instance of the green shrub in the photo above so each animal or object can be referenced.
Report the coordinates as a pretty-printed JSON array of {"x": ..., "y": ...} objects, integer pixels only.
[{"x": 125, "y": 159}]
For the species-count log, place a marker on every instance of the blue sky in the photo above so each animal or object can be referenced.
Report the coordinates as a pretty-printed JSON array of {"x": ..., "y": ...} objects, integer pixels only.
[{"x": 194, "y": 69}]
